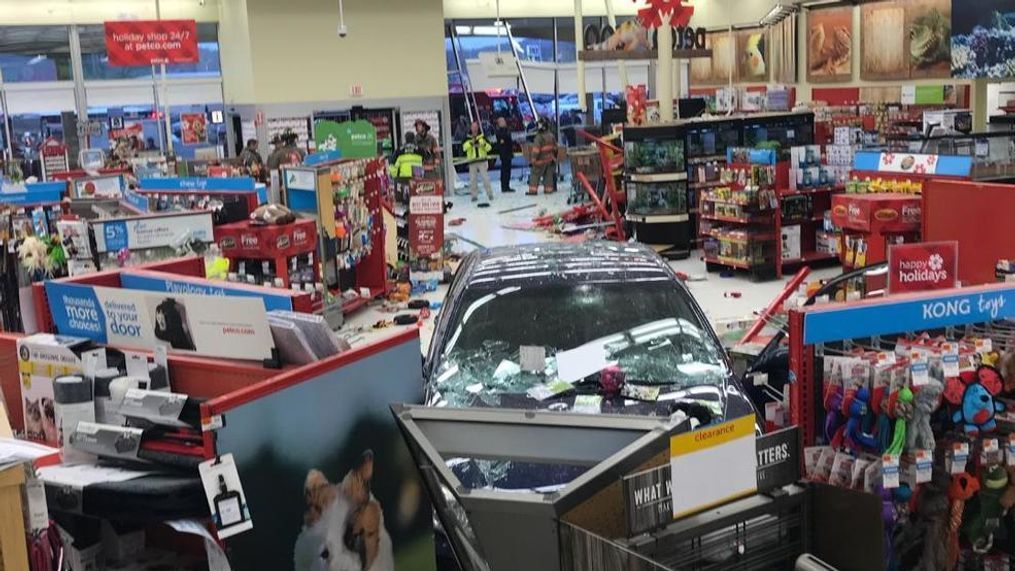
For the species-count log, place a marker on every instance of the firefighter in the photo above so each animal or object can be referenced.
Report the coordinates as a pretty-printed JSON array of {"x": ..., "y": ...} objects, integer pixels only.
[{"x": 543, "y": 158}]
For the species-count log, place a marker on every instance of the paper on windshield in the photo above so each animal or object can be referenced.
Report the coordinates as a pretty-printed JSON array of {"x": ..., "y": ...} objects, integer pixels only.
[
  {"x": 532, "y": 358},
  {"x": 576, "y": 364}
]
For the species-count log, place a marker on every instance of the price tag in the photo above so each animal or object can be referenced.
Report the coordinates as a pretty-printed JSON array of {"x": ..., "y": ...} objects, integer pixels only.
[
  {"x": 890, "y": 471},
  {"x": 919, "y": 368},
  {"x": 957, "y": 458},
  {"x": 985, "y": 345},
  {"x": 991, "y": 452},
  {"x": 950, "y": 359},
  {"x": 38, "y": 510},
  {"x": 924, "y": 462}
]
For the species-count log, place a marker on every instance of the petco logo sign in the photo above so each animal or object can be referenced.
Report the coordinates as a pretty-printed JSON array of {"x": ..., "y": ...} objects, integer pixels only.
[{"x": 922, "y": 267}]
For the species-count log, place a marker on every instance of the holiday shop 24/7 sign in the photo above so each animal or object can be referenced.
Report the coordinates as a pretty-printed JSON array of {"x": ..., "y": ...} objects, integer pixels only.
[{"x": 145, "y": 42}]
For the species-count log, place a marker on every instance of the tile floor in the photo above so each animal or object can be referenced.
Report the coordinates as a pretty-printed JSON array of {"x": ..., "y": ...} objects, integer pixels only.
[{"x": 489, "y": 227}]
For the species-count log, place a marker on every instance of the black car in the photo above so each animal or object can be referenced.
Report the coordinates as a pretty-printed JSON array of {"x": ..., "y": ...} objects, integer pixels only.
[{"x": 592, "y": 310}]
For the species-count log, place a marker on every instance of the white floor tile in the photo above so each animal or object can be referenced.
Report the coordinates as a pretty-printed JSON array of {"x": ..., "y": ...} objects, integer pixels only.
[{"x": 486, "y": 227}]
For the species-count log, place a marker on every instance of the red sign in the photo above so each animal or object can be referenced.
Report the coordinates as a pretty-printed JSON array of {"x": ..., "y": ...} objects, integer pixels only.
[
  {"x": 426, "y": 218},
  {"x": 144, "y": 42},
  {"x": 194, "y": 128},
  {"x": 923, "y": 267},
  {"x": 127, "y": 132}
]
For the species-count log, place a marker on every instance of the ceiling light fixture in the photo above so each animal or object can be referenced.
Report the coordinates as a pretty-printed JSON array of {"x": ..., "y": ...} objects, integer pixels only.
[{"x": 778, "y": 13}]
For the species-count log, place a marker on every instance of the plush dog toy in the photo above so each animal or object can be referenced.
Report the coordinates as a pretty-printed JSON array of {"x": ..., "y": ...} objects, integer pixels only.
[
  {"x": 974, "y": 394},
  {"x": 985, "y": 510},
  {"x": 920, "y": 435}
]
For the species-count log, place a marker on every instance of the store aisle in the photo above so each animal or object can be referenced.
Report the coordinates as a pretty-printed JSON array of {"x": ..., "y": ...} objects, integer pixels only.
[{"x": 490, "y": 227}]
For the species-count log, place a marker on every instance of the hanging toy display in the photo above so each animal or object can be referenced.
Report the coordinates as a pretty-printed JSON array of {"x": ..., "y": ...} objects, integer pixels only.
[{"x": 973, "y": 393}]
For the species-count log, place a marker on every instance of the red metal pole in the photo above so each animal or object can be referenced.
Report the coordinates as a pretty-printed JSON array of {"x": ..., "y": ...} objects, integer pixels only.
[{"x": 776, "y": 304}]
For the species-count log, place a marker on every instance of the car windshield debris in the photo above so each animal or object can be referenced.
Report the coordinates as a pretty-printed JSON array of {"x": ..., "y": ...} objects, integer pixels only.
[{"x": 530, "y": 342}]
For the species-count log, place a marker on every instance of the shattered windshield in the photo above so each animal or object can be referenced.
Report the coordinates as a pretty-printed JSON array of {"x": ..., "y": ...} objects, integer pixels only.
[{"x": 535, "y": 343}]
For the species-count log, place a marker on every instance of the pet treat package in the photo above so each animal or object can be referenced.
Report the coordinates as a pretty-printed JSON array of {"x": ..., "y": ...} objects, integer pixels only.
[{"x": 41, "y": 359}]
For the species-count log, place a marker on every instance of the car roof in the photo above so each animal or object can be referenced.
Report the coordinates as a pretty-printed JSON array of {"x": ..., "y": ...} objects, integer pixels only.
[{"x": 564, "y": 263}]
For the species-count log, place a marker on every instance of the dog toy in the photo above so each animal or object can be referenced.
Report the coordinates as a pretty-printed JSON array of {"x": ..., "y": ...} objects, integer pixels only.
[
  {"x": 1007, "y": 368},
  {"x": 973, "y": 393},
  {"x": 611, "y": 380},
  {"x": 1008, "y": 497},
  {"x": 852, "y": 433},
  {"x": 962, "y": 488},
  {"x": 34, "y": 256},
  {"x": 920, "y": 435},
  {"x": 833, "y": 419},
  {"x": 903, "y": 412},
  {"x": 984, "y": 515}
]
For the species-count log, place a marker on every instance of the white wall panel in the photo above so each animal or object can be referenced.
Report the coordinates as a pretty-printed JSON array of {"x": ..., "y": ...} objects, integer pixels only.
[
  {"x": 40, "y": 98},
  {"x": 139, "y": 92},
  {"x": 540, "y": 77}
]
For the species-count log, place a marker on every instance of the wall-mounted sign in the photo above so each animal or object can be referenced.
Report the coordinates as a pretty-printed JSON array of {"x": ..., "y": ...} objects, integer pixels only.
[
  {"x": 194, "y": 128},
  {"x": 146, "y": 42}
]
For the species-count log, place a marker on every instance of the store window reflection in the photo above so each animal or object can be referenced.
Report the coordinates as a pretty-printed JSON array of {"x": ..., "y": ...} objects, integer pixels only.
[
  {"x": 141, "y": 118},
  {"x": 533, "y": 39},
  {"x": 34, "y": 53}
]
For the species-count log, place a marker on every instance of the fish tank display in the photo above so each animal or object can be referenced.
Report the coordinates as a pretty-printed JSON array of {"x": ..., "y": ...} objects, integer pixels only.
[
  {"x": 656, "y": 198},
  {"x": 711, "y": 139},
  {"x": 653, "y": 155}
]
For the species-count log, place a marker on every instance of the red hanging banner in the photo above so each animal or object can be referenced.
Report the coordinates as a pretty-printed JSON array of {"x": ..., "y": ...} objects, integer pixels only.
[{"x": 145, "y": 42}]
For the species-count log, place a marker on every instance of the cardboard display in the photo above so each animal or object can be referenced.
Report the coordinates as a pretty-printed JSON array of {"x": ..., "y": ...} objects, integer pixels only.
[{"x": 234, "y": 327}]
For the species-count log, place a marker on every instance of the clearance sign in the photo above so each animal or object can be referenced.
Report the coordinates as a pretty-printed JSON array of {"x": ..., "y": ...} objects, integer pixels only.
[
  {"x": 145, "y": 42},
  {"x": 713, "y": 465}
]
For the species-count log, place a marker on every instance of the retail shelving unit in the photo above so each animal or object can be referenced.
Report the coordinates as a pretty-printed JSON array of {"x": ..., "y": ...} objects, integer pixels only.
[
  {"x": 873, "y": 221},
  {"x": 344, "y": 196},
  {"x": 739, "y": 221},
  {"x": 277, "y": 256}
]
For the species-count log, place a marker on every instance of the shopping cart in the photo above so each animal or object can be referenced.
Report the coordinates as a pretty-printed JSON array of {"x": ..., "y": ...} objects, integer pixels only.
[{"x": 585, "y": 160}]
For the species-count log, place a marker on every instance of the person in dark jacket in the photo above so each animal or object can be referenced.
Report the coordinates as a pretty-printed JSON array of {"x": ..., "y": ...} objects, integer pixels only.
[{"x": 506, "y": 152}]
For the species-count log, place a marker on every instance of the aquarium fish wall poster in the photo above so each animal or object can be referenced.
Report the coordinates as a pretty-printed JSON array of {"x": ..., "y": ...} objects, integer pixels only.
[{"x": 983, "y": 38}]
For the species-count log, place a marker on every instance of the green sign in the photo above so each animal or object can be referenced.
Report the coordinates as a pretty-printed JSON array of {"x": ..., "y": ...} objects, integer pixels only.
[
  {"x": 326, "y": 135},
  {"x": 354, "y": 139},
  {"x": 930, "y": 94}
]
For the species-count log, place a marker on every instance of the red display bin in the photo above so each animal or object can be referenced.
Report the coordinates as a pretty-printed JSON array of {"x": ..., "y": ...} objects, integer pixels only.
[
  {"x": 277, "y": 244},
  {"x": 877, "y": 218}
]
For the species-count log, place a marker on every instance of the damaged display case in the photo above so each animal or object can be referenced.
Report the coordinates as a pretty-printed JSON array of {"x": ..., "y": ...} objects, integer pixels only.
[{"x": 593, "y": 521}]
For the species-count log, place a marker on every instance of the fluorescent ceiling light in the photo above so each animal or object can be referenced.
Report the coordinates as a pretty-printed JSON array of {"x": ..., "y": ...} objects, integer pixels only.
[
  {"x": 486, "y": 31},
  {"x": 463, "y": 30}
]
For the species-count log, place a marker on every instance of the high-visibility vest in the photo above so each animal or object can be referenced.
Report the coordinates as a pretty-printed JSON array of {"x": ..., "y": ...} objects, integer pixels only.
[
  {"x": 477, "y": 148},
  {"x": 404, "y": 163}
]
